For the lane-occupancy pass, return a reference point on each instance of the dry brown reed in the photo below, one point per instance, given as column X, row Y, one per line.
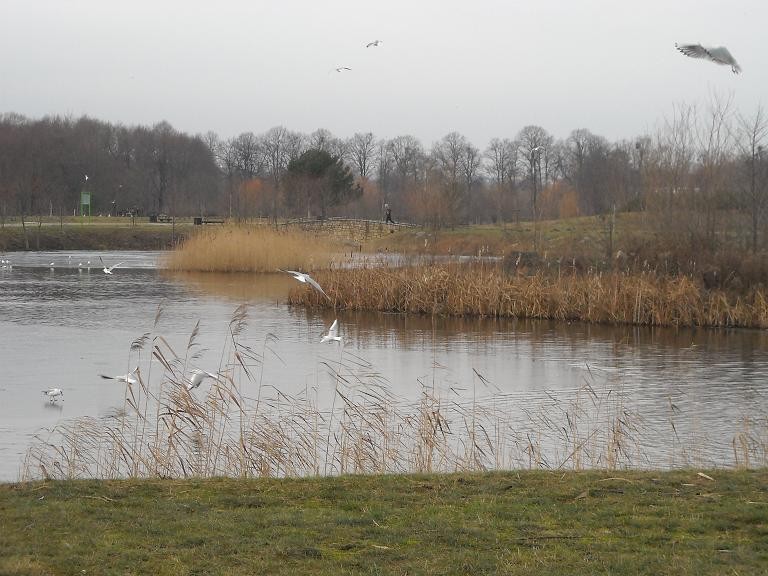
column 249, row 249
column 485, row 289
column 242, row 426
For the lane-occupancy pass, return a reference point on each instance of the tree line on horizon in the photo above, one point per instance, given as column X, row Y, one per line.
column 702, row 174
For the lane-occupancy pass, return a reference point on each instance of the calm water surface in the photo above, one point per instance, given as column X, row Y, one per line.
column 64, row 325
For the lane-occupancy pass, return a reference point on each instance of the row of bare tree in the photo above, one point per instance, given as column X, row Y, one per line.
column 46, row 164
column 710, row 164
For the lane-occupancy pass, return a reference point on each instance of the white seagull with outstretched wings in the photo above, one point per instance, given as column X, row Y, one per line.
column 130, row 378
column 302, row 277
column 109, row 270
column 197, row 378
column 716, row 54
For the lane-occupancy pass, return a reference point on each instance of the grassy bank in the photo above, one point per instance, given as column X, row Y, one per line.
column 493, row 523
column 489, row 289
column 98, row 235
column 585, row 236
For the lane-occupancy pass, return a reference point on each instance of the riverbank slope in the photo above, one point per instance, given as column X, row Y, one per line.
column 97, row 235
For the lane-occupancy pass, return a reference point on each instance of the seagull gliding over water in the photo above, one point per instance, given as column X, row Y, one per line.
column 302, row 277
column 129, row 378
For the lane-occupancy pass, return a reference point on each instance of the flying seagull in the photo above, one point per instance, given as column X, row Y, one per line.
column 342, row 68
column 197, row 378
column 333, row 333
column 129, row 378
column 301, row 277
column 108, row 270
column 53, row 393
column 374, row 43
column 717, row 54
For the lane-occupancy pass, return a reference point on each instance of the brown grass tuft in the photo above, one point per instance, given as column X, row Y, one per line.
column 249, row 249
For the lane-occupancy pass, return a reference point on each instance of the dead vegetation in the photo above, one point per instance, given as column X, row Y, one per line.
column 559, row 293
column 249, row 249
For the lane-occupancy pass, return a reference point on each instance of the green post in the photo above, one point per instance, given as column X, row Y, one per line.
column 85, row 202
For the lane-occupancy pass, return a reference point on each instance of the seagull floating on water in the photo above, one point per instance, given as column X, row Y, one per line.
column 130, row 378
column 716, row 54
column 374, row 43
column 108, row 270
column 333, row 333
column 302, row 277
column 53, row 393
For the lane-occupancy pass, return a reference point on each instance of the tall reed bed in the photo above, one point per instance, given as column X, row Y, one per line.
column 243, row 426
column 249, row 249
column 485, row 289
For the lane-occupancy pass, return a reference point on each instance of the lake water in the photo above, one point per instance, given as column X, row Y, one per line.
column 691, row 393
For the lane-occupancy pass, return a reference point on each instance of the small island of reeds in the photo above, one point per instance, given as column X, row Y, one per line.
column 249, row 249
column 493, row 289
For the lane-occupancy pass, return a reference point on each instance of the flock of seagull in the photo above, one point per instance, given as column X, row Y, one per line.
column 333, row 332
column 197, row 376
column 80, row 265
column 54, row 394
column 717, row 54
column 373, row 44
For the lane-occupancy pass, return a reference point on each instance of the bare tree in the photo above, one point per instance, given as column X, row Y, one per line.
column 324, row 140
column 362, row 151
column 715, row 147
column 501, row 166
column 470, row 165
column 533, row 141
column 448, row 157
column 406, row 152
column 249, row 155
column 752, row 135
column 276, row 151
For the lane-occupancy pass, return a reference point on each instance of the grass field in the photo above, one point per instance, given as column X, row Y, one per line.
column 583, row 236
column 96, row 234
column 678, row 523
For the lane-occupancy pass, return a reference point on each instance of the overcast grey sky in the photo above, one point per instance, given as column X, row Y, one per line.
column 484, row 68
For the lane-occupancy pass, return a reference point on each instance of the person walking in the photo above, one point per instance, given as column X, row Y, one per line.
column 388, row 214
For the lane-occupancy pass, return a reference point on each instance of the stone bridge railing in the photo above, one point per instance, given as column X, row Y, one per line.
column 350, row 229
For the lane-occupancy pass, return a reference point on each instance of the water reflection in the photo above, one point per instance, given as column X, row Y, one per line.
column 236, row 287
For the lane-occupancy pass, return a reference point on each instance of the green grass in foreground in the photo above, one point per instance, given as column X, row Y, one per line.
column 497, row 523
